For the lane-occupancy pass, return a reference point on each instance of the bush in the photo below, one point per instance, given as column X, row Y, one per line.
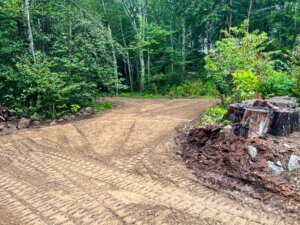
column 240, row 62
column 245, row 84
column 214, row 115
column 193, row 89
column 277, row 84
column 102, row 106
column 33, row 88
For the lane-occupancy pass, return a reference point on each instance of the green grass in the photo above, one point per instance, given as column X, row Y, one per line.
column 142, row 95
column 102, row 106
column 214, row 115
column 145, row 95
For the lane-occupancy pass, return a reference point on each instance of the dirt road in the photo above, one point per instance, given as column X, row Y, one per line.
column 117, row 168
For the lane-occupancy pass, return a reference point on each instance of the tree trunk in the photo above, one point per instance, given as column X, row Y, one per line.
column 30, row 36
column 183, row 45
column 172, row 47
column 249, row 13
column 142, row 65
column 142, row 38
column 127, row 57
column 277, row 116
column 113, row 50
column 148, row 63
column 230, row 16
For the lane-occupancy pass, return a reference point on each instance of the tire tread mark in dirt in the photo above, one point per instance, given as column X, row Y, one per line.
column 119, row 182
column 74, row 184
column 128, row 135
column 54, row 157
column 44, row 166
column 31, row 198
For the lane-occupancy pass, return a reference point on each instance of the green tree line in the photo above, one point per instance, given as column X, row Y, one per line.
column 57, row 54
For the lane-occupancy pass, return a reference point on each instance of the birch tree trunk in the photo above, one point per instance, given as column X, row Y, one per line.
column 127, row 57
column 249, row 13
column 137, row 20
column 142, row 64
column 183, row 45
column 113, row 50
column 30, row 36
column 172, row 47
column 141, row 39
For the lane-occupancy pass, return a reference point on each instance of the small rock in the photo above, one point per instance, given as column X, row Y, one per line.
column 67, row 118
column 36, row 123
column 23, row 123
column 252, row 151
column 34, row 118
column 227, row 129
column 89, row 110
column 294, row 163
column 60, row 120
column 53, row 123
column 287, row 146
column 276, row 167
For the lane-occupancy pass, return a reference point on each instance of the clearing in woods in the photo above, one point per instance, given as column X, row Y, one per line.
column 117, row 168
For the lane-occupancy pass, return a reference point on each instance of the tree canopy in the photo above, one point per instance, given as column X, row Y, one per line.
column 57, row 54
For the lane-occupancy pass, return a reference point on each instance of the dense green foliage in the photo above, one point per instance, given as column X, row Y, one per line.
column 214, row 115
column 240, row 66
column 57, row 56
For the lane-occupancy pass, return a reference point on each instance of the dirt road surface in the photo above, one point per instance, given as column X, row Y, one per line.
column 117, row 168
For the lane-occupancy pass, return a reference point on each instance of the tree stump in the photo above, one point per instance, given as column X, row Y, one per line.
column 278, row 116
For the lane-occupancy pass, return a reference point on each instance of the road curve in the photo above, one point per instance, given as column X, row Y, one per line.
column 116, row 168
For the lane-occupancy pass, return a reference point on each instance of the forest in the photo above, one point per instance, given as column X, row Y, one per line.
column 58, row 56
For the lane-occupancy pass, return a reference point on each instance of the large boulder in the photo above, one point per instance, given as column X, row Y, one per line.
column 23, row 123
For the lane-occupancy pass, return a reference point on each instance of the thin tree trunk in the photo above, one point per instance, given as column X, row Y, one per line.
column 70, row 39
column 148, row 63
column 230, row 15
column 142, row 64
column 249, row 13
column 127, row 57
column 172, row 47
column 183, row 46
column 140, row 31
column 113, row 50
column 30, row 36
column 141, row 51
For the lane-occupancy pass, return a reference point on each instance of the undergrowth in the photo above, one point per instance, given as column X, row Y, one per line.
column 214, row 115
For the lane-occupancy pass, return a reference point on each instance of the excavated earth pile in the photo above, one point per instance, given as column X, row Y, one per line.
column 258, row 165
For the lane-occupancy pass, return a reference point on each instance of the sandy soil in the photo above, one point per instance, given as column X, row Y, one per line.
column 117, row 168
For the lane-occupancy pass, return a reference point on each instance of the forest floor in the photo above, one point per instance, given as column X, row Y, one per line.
column 116, row 168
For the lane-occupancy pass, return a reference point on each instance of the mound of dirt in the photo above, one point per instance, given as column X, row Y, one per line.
column 257, row 167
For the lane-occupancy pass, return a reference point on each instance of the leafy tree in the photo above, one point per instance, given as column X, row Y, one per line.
column 239, row 51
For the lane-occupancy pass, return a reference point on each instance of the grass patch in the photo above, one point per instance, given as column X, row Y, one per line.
column 101, row 107
column 145, row 95
column 142, row 95
column 214, row 115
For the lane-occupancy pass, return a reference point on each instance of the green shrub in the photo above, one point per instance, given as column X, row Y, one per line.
column 245, row 83
column 214, row 115
column 102, row 106
column 242, row 55
column 277, row 84
column 193, row 89
column 34, row 88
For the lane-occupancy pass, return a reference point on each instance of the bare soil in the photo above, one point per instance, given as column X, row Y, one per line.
column 116, row 168
column 219, row 157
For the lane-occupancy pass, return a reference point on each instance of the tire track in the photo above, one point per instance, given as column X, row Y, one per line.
column 57, row 178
